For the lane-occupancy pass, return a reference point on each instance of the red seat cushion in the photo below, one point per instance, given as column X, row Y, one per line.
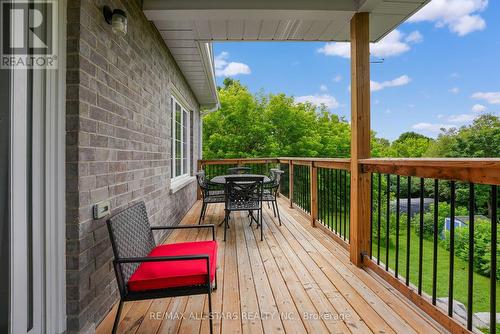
column 170, row 274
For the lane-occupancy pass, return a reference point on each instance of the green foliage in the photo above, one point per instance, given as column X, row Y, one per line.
column 480, row 139
column 410, row 144
column 443, row 213
column 482, row 246
column 259, row 125
column 248, row 125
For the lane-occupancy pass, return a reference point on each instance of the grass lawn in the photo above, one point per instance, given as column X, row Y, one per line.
column 481, row 292
column 330, row 219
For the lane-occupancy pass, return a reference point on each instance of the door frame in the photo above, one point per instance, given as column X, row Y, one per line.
column 37, row 190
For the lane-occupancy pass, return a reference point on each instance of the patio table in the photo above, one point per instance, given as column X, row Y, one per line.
column 221, row 179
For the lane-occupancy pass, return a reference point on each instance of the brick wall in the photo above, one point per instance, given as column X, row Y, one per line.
column 118, row 144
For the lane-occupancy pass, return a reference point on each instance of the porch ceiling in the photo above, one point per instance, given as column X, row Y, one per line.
column 187, row 26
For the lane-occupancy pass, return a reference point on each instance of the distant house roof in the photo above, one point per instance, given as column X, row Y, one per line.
column 465, row 219
column 414, row 205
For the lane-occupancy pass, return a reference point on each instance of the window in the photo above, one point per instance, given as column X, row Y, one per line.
column 180, row 140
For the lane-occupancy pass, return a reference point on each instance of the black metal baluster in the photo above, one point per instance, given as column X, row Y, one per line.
column 493, row 270
column 335, row 195
column 421, row 237
column 452, row 248
column 308, row 192
column 408, row 230
column 371, row 215
column 320, row 194
column 435, row 241
column 470, row 287
column 345, row 204
column 398, row 189
column 379, row 212
column 323, row 200
column 388, row 217
column 349, row 206
column 328, row 196
column 301, row 188
column 339, row 205
column 337, row 200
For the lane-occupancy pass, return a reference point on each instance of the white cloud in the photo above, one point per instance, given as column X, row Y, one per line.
column 400, row 81
column 460, row 16
column 394, row 44
column 414, row 37
column 323, row 88
column 223, row 68
column 431, row 127
column 454, row 90
column 341, row 49
column 461, row 118
column 478, row 108
column 490, row 97
column 454, row 75
column 337, row 78
column 318, row 99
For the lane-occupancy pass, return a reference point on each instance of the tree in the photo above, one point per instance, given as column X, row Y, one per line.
column 480, row 139
column 248, row 125
column 259, row 125
column 410, row 144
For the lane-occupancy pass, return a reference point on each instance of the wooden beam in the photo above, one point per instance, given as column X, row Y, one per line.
column 359, row 236
column 314, row 194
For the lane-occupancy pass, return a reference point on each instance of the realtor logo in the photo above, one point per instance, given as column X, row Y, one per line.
column 28, row 34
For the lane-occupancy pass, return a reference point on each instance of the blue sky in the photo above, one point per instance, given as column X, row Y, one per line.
column 441, row 69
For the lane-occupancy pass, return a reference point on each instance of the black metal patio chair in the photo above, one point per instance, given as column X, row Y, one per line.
column 146, row 271
column 211, row 193
column 239, row 170
column 271, row 190
column 244, row 194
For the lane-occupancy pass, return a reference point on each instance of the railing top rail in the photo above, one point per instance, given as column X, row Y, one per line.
column 475, row 170
column 442, row 162
column 315, row 159
column 237, row 160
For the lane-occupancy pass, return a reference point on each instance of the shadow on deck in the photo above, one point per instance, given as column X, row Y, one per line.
column 298, row 280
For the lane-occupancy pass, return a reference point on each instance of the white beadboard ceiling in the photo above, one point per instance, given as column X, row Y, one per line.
column 189, row 26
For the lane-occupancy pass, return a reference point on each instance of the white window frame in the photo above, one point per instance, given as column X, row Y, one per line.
column 179, row 181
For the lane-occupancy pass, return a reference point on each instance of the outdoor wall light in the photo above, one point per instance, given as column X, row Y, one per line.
column 117, row 18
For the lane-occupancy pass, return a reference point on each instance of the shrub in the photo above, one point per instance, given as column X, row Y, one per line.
column 482, row 246
column 443, row 213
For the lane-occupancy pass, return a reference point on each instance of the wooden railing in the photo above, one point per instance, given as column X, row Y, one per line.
column 408, row 246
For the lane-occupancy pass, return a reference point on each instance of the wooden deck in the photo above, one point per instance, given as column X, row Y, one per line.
column 298, row 280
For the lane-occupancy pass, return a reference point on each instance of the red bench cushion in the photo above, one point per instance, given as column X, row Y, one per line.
column 170, row 274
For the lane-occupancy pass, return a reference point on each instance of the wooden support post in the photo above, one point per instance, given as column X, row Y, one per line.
column 359, row 237
column 314, row 194
column 290, row 183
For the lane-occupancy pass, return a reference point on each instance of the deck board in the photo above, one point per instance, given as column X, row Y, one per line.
column 269, row 286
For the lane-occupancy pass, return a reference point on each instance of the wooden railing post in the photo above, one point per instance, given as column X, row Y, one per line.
column 290, row 183
column 359, row 237
column 314, row 194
